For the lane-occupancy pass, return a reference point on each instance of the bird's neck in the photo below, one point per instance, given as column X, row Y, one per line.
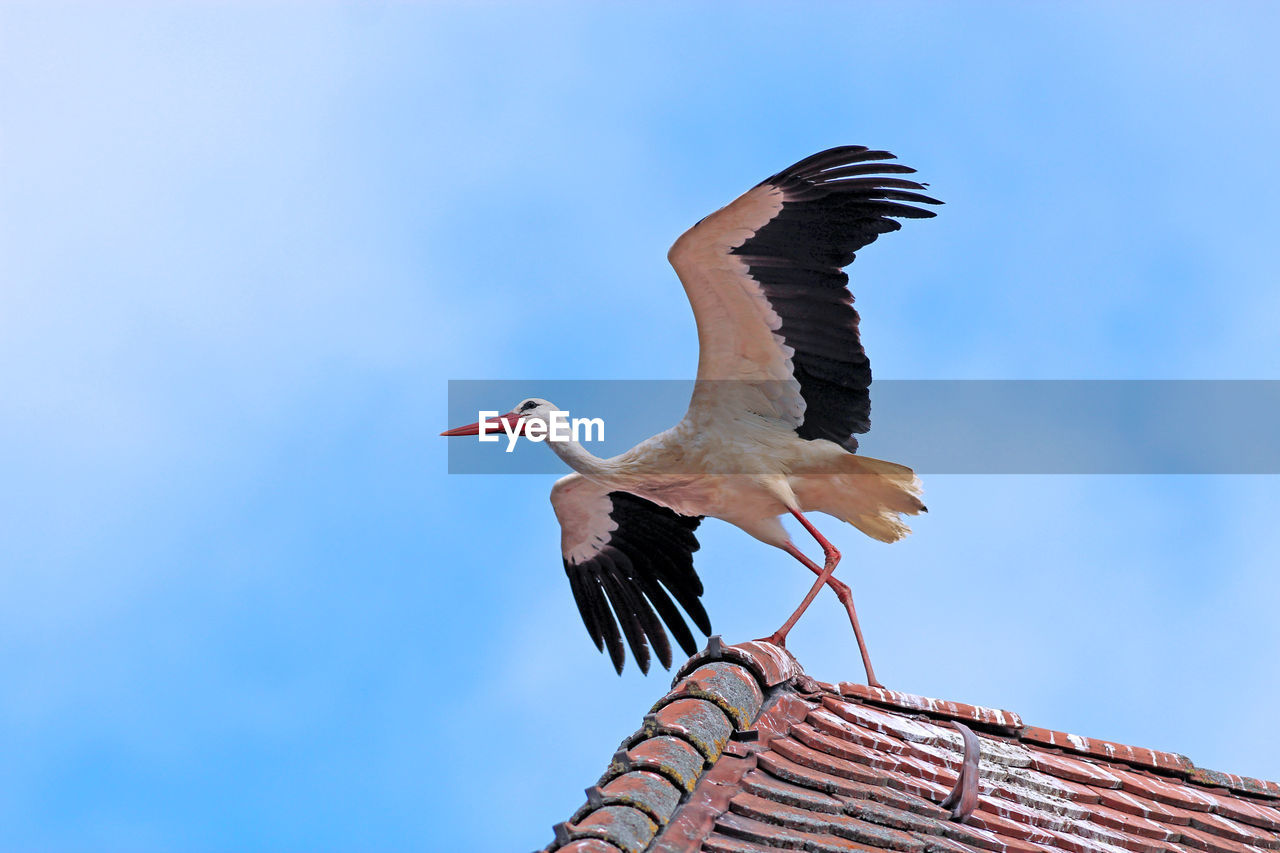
column 582, row 460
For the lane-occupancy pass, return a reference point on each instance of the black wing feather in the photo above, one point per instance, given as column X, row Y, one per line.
column 833, row 204
column 626, row 588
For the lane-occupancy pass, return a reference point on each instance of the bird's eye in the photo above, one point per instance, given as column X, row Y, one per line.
column 528, row 405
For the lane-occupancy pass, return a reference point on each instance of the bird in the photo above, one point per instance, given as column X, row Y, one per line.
column 781, row 393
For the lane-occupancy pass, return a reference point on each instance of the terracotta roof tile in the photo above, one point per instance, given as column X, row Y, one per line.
column 764, row 784
column 1164, row 790
column 747, row 754
column 1254, row 814
column 1132, row 824
column 1006, row 753
column 884, row 814
column 921, row 802
column 589, row 845
column 1239, row 784
column 847, row 749
column 666, row 755
column 925, row 788
column 733, row 845
column 773, row 836
column 1049, row 805
column 827, row 722
column 1076, row 770
column 842, row 826
column 1201, row 840
column 1054, row 786
column 770, row 664
column 806, row 756
column 1029, row 814
column 983, row 717
column 1167, row 762
column 987, row 818
column 814, row 779
column 1130, row 802
column 1241, row 832
column 631, row 830
column 897, row 725
column 699, row 721
column 1076, row 843
column 733, row 689
column 975, row 837
column 1117, row 837
column 640, row 789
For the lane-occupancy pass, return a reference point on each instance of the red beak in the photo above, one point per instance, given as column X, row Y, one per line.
column 493, row 427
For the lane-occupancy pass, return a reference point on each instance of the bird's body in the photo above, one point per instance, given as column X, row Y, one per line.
column 750, row 473
column 782, row 388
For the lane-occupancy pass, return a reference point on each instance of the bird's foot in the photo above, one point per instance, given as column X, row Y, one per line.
column 775, row 639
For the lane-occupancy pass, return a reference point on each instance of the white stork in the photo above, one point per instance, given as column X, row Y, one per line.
column 781, row 391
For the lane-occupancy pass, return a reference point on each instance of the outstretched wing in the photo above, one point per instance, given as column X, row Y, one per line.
column 626, row 559
column 775, row 319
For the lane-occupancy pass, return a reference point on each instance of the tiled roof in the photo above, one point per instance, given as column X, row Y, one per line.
column 748, row 754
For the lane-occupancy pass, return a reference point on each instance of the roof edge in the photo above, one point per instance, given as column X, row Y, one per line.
column 721, row 697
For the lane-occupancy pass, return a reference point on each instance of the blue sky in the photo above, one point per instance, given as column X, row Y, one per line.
column 244, row 248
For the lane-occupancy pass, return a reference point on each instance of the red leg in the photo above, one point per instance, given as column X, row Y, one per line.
column 841, row 590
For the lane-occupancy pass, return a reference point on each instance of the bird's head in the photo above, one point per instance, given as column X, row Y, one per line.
column 517, row 420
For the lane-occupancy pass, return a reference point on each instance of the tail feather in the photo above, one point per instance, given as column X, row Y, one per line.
column 870, row 494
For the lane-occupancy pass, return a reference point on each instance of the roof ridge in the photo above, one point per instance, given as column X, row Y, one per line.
column 720, row 695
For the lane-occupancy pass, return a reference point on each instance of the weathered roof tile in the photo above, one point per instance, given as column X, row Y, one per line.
column 1132, row 823
column 1075, row 770
column 920, row 801
column 731, row 687
column 670, row 757
column 733, row 845
column 590, row 845
column 643, row 790
column 772, row 665
column 824, row 720
column 897, row 725
column 1054, row 786
column 988, row 819
column 774, row 836
column 630, row 829
column 976, row 714
column 1116, row 837
column 1164, row 791
column 699, row 721
column 1153, row 759
column 1239, row 784
column 1081, row 843
column 764, row 784
column 1201, row 840
column 1252, row 813
column 1050, row 805
column 885, row 814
